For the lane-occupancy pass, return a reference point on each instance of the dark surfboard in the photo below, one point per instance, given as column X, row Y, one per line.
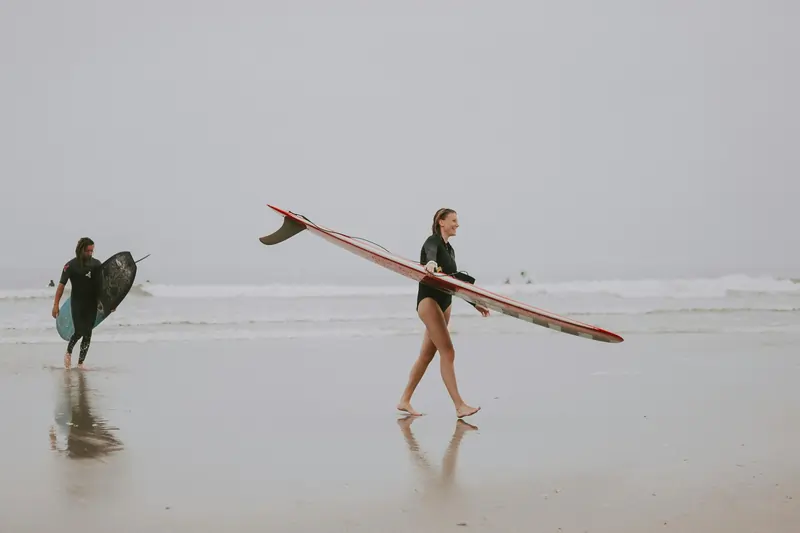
column 118, row 273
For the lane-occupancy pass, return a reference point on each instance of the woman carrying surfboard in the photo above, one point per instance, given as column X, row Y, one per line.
column 433, row 308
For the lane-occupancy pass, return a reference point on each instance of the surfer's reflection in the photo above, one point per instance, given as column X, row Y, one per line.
column 443, row 484
column 78, row 433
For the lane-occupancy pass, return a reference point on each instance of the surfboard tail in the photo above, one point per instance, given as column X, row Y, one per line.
column 289, row 229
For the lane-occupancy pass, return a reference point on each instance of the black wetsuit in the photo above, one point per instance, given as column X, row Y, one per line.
column 86, row 283
column 435, row 249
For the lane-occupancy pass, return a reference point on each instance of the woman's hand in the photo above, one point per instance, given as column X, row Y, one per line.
column 431, row 267
column 482, row 310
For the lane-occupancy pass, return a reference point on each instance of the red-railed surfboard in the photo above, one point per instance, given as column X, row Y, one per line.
column 294, row 224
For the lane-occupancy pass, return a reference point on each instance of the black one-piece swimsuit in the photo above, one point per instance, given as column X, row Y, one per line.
column 435, row 249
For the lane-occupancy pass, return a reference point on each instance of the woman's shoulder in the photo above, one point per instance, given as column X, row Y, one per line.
column 433, row 242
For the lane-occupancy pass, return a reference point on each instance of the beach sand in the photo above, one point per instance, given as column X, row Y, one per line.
column 689, row 433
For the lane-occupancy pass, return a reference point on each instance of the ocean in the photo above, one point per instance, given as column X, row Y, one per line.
column 152, row 312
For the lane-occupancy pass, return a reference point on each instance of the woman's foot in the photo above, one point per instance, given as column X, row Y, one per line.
column 466, row 410
column 67, row 360
column 406, row 408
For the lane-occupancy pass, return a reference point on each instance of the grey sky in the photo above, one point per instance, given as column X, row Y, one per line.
column 577, row 141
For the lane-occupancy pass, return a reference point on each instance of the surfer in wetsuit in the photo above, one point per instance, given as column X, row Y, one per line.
column 83, row 272
column 433, row 308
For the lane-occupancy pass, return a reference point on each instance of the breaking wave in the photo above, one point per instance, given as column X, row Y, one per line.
column 699, row 288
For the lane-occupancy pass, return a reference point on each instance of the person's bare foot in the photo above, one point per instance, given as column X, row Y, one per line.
column 81, row 366
column 67, row 360
column 406, row 407
column 466, row 410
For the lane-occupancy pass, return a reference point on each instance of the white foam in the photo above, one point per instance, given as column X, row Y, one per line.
column 721, row 287
column 214, row 334
column 274, row 291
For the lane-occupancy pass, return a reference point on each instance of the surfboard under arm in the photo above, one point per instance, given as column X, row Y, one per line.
column 294, row 224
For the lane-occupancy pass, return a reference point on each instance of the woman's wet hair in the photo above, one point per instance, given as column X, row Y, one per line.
column 83, row 243
column 441, row 214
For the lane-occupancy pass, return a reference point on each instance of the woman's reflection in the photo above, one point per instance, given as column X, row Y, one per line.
column 78, row 432
column 443, row 484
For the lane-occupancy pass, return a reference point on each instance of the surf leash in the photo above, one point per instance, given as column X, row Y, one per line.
column 461, row 275
column 343, row 234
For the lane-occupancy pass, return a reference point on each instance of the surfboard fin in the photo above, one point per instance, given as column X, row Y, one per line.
column 289, row 229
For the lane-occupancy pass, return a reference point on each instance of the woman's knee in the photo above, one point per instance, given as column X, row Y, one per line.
column 445, row 345
column 448, row 353
column 427, row 356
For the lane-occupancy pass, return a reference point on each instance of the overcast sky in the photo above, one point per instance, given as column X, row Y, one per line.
column 581, row 139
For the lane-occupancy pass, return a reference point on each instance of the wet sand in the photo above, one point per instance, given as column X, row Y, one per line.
column 660, row 433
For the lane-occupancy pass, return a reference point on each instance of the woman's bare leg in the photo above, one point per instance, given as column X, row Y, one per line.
column 435, row 322
column 426, row 354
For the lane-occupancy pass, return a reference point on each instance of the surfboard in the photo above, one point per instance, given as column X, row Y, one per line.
column 118, row 273
column 465, row 289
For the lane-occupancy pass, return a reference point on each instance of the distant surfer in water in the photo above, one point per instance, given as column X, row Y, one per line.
column 83, row 272
column 433, row 308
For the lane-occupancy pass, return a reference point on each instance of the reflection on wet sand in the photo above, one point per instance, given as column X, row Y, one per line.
column 437, row 488
column 78, row 433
